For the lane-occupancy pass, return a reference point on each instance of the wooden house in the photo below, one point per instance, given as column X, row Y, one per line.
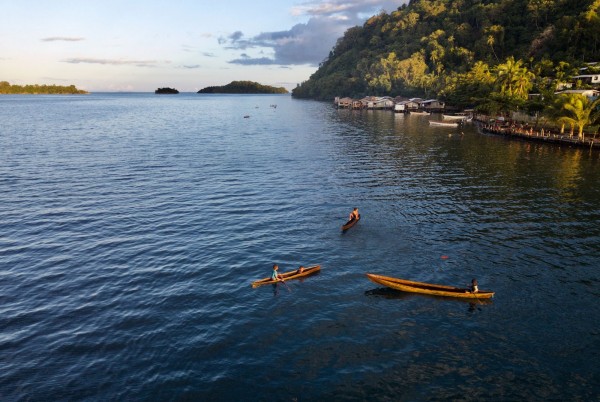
column 344, row 103
column 400, row 107
column 432, row 105
column 411, row 104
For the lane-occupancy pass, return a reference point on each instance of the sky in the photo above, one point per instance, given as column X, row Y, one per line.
column 141, row 45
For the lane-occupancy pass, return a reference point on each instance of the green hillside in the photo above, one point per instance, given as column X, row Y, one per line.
column 457, row 49
column 243, row 87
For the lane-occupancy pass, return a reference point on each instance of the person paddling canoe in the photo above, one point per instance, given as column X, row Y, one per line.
column 276, row 276
column 473, row 287
column 353, row 215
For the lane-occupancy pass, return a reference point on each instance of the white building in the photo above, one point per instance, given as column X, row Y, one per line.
column 589, row 79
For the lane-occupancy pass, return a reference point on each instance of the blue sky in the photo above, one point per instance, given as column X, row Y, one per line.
column 135, row 45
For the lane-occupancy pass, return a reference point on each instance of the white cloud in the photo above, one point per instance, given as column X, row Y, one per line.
column 62, row 39
column 115, row 62
column 307, row 43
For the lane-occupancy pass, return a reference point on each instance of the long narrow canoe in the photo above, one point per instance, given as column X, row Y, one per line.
column 428, row 288
column 350, row 223
column 453, row 117
column 288, row 275
column 442, row 124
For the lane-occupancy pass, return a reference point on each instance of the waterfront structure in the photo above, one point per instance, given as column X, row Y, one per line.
column 590, row 93
column 433, row 105
column 588, row 79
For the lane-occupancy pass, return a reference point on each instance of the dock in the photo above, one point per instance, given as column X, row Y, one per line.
column 529, row 134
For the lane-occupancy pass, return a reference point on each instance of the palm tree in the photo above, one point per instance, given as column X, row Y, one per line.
column 554, row 109
column 579, row 111
column 495, row 33
column 514, row 79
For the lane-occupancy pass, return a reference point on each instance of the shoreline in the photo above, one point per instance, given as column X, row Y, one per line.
column 524, row 131
column 541, row 135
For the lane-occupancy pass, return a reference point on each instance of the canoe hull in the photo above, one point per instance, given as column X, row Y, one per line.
column 288, row 275
column 442, row 124
column 451, row 117
column 428, row 288
column 349, row 224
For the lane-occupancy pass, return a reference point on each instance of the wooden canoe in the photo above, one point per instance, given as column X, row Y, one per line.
column 442, row 124
column 288, row 275
column 350, row 223
column 454, row 117
column 428, row 288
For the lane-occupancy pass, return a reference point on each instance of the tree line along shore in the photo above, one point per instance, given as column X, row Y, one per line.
column 7, row 89
column 234, row 87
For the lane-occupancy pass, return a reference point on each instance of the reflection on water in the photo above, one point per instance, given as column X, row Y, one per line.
column 132, row 225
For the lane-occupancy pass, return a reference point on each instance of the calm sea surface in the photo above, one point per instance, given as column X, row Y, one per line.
column 131, row 227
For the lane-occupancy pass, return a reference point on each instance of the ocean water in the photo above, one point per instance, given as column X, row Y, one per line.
column 132, row 225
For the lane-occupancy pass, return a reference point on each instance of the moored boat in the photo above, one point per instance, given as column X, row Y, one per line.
column 428, row 288
column 442, row 124
column 288, row 275
column 419, row 113
column 350, row 223
column 453, row 117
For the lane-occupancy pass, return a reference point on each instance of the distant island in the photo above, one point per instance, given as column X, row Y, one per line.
column 165, row 90
column 243, row 87
column 7, row 89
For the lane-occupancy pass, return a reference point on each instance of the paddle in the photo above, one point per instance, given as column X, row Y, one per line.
column 286, row 285
column 476, row 298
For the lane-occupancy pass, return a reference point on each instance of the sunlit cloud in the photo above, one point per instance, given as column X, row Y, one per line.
column 62, row 38
column 115, row 62
column 320, row 9
column 348, row 7
column 55, row 79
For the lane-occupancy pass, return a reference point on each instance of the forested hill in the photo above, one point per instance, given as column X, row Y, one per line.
column 243, row 87
column 423, row 47
column 7, row 89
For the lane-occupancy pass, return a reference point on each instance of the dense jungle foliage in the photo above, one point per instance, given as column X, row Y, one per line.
column 463, row 51
column 6, row 88
column 243, row 87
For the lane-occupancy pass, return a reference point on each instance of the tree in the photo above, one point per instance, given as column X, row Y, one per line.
column 513, row 79
column 413, row 71
column 539, row 9
column 435, row 50
column 469, row 88
column 381, row 74
column 495, row 34
column 579, row 111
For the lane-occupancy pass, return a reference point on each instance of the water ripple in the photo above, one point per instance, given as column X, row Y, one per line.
column 134, row 225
